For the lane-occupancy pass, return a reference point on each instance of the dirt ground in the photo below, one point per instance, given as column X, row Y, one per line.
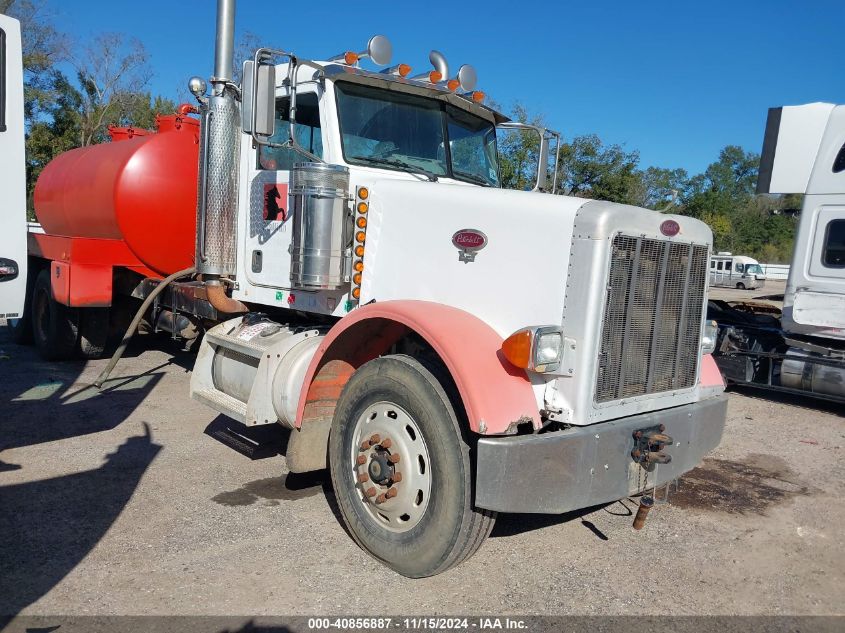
column 129, row 502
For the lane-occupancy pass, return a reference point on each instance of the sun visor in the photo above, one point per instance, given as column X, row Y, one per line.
column 790, row 147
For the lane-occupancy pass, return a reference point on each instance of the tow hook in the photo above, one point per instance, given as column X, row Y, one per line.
column 648, row 447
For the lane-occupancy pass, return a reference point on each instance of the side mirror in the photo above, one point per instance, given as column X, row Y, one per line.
column 258, row 91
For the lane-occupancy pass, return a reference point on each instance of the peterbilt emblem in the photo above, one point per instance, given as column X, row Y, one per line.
column 670, row 228
column 468, row 242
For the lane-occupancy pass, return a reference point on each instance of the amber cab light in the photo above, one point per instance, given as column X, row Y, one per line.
column 517, row 348
column 537, row 348
column 363, row 193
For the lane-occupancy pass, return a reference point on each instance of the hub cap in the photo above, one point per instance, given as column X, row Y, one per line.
column 390, row 466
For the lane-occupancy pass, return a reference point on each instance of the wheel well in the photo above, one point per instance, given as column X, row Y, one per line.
column 360, row 344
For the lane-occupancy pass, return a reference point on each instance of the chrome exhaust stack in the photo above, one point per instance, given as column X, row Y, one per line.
column 217, row 194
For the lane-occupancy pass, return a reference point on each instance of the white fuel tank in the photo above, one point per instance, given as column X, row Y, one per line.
column 252, row 369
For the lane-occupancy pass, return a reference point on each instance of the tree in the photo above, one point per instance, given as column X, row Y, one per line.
column 519, row 152
column 112, row 72
column 43, row 47
column 659, row 187
column 588, row 168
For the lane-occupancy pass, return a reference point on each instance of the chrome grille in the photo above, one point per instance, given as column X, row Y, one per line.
column 652, row 318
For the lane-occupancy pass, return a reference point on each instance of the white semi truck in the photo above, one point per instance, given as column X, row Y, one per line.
column 449, row 349
column 802, row 348
column 13, row 258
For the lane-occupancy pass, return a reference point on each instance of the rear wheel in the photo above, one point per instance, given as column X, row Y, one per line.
column 55, row 327
column 401, row 469
column 740, row 286
column 93, row 332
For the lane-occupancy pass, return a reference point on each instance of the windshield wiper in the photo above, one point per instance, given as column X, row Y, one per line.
column 479, row 180
column 411, row 169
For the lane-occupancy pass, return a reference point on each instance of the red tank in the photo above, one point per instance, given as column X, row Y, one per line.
column 140, row 188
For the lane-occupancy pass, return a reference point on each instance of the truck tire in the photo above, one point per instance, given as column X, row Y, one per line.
column 55, row 327
column 740, row 286
column 428, row 524
column 93, row 332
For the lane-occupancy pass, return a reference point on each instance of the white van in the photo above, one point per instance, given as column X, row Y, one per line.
column 736, row 271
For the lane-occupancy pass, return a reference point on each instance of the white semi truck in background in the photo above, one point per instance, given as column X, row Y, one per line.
column 449, row 349
column 13, row 257
column 800, row 349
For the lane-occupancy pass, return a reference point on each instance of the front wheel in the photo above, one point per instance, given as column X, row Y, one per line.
column 401, row 469
column 740, row 286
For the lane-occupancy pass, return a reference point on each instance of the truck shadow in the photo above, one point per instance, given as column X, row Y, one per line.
column 44, row 402
column 47, row 527
column 515, row 524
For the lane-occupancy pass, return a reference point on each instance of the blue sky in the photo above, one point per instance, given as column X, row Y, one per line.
column 675, row 80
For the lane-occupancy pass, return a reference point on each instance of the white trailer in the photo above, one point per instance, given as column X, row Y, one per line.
column 736, row 271
column 801, row 349
column 13, row 257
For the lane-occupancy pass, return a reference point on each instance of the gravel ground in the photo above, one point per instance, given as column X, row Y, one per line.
column 127, row 502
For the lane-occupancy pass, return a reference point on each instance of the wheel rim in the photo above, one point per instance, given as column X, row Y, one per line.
column 41, row 314
column 390, row 466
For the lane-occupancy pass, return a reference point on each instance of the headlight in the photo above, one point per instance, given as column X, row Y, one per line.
column 708, row 340
column 536, row 348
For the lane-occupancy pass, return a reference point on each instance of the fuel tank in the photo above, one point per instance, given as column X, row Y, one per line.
column 141, row 188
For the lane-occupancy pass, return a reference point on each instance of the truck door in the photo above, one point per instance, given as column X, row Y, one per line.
column 270, row 227
column 12, row 174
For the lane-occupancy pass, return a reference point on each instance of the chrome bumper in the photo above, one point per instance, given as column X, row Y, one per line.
column 585, row 466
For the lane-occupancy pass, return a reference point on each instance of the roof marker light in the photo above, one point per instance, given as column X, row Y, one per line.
column 399, row 70
column 379, row 49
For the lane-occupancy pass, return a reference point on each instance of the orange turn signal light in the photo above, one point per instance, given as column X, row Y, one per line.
column 358, row 266
column 361, row 222
column 356, row 279
column 517, row 348
column 478, row 96
column 359, row 251
column 360, row 236
column 453, row 84
column 435, row 77
column 350, row 58
column 362, row 207
column 404, row 70
column 356, row 292
column 363, row 193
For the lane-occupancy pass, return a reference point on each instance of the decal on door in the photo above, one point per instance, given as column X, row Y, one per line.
column 275, row 201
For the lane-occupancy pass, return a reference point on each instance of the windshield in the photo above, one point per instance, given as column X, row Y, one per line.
column 404, row 132
column 753, row 269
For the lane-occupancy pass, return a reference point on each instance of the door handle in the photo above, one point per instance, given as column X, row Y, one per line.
column 8, row 269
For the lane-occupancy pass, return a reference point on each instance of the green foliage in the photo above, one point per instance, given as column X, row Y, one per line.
column 107, row 88
column 723, row 196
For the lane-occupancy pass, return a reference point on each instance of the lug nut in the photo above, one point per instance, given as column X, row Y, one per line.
column 391, row 493
column 371, row 491
column 375, row 439
column 381, row 498
column 393, row 459
column 363, row 477
column 397, row 477
column 362, row 459
column 387, row 443
column 365, row 445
